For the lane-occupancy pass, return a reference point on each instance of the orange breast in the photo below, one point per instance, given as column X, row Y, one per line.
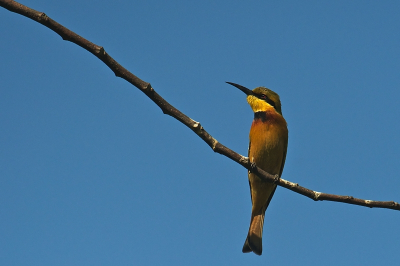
column 268, row 144
column 268, row 139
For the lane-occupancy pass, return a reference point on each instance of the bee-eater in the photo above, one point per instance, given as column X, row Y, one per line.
column 267, row 149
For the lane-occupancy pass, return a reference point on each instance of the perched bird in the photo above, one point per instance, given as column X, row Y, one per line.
column 267, row 149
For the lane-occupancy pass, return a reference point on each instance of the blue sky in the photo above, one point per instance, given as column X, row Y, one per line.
column 92, row 172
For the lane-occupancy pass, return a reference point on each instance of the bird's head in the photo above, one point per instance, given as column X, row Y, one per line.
column 261, row 99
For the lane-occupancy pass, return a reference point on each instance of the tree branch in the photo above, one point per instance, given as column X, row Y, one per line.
column 168, row 109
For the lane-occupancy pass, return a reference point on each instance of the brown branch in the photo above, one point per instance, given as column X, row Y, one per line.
column 168, row 109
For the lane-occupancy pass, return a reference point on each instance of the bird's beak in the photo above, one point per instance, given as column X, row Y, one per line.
column 240, row 87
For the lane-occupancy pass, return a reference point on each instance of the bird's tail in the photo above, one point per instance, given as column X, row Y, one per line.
column 254, row 237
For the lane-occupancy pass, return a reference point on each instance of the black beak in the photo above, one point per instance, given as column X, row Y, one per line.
column 240, row 87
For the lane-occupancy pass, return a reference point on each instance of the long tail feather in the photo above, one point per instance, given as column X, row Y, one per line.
column 254, row 237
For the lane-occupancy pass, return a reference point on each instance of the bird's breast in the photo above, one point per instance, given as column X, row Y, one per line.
column 268, row 140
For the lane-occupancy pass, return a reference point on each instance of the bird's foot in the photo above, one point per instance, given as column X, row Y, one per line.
column 253, row 167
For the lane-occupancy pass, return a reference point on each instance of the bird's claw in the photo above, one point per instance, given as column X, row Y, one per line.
column 253, row 166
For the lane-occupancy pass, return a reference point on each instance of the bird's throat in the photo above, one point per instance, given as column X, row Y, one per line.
column 269, row 117
column 260, row 116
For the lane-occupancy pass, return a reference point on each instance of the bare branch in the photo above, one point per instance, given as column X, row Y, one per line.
column 168, row 109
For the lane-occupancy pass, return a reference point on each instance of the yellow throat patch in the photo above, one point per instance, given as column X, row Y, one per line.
column 258, row 105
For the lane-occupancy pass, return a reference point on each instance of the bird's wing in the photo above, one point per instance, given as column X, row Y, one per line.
column 248, row 171
column 284, row 156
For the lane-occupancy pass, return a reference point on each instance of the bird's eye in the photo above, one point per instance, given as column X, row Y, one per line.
column 263, row 96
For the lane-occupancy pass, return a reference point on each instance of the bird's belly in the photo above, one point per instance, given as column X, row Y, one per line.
column 267, row 149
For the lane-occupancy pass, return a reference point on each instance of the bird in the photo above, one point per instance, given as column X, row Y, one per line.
column 267, row 150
